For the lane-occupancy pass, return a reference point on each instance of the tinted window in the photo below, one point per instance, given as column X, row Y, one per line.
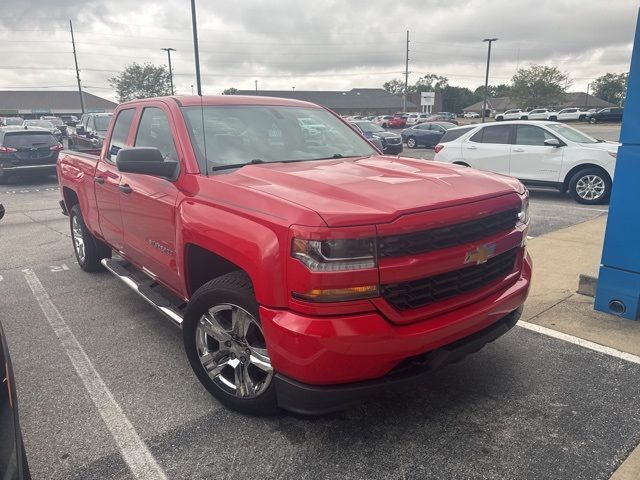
column 423, row 126
column 530, row 135
column 154, row 131
column 91, row 125
column 120, row 132
column 19, row 139
column 497, row 134
column 455, row 133
column 102, row 123
column 605, row 110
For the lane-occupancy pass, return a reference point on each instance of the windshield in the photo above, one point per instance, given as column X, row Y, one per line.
column 369, row 127
column 27, row 139
column 234, row 136
column 102, row 123
column 39, row 123
column 571, row 133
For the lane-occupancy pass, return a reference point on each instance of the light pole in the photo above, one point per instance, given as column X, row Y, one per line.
column 169, row 50
column 486, row 78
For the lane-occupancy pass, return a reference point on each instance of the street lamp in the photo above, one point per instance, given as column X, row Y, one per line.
column 486, row 78
column 169, row 50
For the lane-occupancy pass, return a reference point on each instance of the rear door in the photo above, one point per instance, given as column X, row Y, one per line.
column 148, row 204
column 531, row 159
column 107, row 182
column 489, row 148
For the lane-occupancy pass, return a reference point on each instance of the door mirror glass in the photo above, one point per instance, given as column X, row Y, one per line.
column 147, row 161
column 552, row 142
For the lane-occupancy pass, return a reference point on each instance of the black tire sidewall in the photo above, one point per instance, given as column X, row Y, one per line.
column 590, row 171
column 234, row 288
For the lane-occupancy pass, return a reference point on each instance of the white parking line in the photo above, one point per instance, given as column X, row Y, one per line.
column 629, row 357
column 134, row 451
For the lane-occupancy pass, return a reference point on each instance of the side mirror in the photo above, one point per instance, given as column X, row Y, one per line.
column 552, row 142
column 146, row 160
column 80, row 129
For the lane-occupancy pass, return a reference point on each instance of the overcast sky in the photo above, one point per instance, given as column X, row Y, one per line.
column 309, row 45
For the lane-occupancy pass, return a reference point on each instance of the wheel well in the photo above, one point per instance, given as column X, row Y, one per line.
column 583, row 166
column 203, row 265
column 70, row 198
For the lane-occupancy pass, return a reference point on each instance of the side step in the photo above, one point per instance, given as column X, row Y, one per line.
column 156, row 295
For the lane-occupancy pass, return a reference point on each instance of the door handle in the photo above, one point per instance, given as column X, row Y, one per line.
column 471, row 147
column 518, row 149
column 99, row 180
column 125, row 188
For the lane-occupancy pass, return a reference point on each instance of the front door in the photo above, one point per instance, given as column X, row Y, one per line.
column 531, row 159
column 489, row 149
column 148, row 204
column 107, row 182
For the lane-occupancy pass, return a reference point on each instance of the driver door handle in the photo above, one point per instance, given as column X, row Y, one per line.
column 98, row 179
column 472, row 147
column 125, row 188
column 518, row 149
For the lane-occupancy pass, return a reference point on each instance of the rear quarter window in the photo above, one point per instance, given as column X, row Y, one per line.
column 454, row 134
column 20, row 139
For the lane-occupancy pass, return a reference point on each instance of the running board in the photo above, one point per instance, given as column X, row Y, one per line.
column 170, row 306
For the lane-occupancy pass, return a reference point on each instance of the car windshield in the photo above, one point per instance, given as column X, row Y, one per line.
column 571, row 133
column 368, row 127
column 39, row 123
column 102, row 122
column 28, row 139
column 233, row 136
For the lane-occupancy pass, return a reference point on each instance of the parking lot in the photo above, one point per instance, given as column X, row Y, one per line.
column 90, row 357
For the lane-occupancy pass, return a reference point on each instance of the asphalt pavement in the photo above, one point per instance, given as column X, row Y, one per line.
column 527, row 406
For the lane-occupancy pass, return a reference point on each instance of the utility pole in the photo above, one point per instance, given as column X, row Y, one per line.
column 169, row 50
column 586, row 99
column 486, row 78
column 195, row 46
column 75, row 59
column 406, row 77
column 256, row 87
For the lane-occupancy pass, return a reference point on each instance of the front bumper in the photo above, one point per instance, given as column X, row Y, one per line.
column 331, row 351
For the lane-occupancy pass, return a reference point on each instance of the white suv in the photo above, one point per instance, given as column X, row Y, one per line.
column 513, row 114
column 538, row 153
column 567, row 114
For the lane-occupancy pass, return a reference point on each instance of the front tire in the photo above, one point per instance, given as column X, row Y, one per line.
column 88, row 249
column 411, row 142
column 499, row 119
column 553, row 119
column 593, row 121
column 590, row 186
column 226, row 347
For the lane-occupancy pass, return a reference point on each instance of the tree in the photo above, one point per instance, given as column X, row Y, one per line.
column 431, row 83
column 454, row 99
column 538, row 86
column 395, row 86
column 611, row 87
column 495, row 91
column 141, row 81
column 230, row 91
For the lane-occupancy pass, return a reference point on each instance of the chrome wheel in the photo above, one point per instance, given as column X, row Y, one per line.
column 233, row 352
column 78, row 239
column 591, row 187
column 411, row 142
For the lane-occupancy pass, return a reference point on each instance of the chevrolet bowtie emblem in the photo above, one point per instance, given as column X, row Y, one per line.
column 481, row 254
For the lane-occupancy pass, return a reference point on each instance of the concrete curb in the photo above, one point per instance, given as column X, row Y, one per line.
column 630, row 468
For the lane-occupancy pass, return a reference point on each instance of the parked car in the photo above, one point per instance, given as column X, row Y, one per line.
column 471, row 115
column 43, row 124
column 13, row 457
column 391, row 142
column 12, row 121
column 397, row 121
column 569, row 114
column 609, row 114
column 33, row 151
column 539, row 114
column 412, row 119
column 69, row 120
column 447, row 116
column 383, row 120
column 512, row 114
column 58, row 123
column 304, row 276
column 441, row 118
column 425, row 134
column 89, row 132
column 538, row 153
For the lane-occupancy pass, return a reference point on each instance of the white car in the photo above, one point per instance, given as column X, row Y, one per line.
column 382, row 120
column 568, row 114
column 544, row 153
column 471, row 115
column 412, row 119
column 513, row 114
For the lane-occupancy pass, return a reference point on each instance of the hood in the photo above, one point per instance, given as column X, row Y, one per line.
column 374, row 189
column 605, row 146
column 385, row 134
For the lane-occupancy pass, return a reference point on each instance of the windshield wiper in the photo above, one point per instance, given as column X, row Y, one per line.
column 255, row 161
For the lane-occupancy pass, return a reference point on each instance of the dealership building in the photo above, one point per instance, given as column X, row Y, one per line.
column 34, row 103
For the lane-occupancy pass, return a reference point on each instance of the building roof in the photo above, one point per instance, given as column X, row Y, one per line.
column 45, row 101
column 571, row 99
column 354, row 99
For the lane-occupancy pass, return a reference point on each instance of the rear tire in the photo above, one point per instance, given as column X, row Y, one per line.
column 590, row 186
column 411, row 142
column 593, row 121
column 222, row 331
column 524, row 117
column 499, row 119
column 553, row 119
column 88, row 249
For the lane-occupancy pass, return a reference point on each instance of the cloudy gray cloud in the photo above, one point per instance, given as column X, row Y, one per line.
column 326, row 44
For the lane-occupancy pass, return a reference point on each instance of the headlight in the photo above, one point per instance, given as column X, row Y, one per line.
column 335, row 255
column 523, row 214
column 376, row 136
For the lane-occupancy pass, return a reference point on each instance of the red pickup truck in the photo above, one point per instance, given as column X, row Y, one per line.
column 305, row 272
